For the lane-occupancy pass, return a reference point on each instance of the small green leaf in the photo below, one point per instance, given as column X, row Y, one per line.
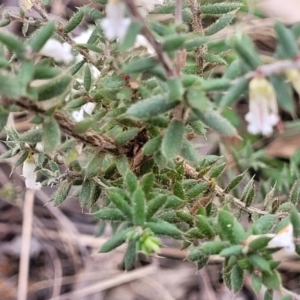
column 214, row 120
column 114, row 242
column 164, row 228
column 126, row 136
column 221, row 23
column 152, row 145
column 54, row 88
column 74, row 21
column 75, row 103
column 131, row 181
column 186, row 217
column 139, row 65
column 139, row 207
column 85, row 193
column 217, row 171
column 122, row 164
column 21, row 159
column 111, row 214
column 194, row 42
column 151, row 107
column 175, row 89
column 130, row 255
column 268, row 295
column 60, row 195
column 187, row 151
column 10, row 86
column 249, row 186
column 214, row 248
column 121, row 204
column 87, row 78
column 173, row 42
column 220, row 8
column 214, row 59
column 93, row 167
column 215, row 84
column 234, row 183
column 272, row 280
column 32, row 136
column 265, row 224
column 77, row 67
column 259, row 262
column 295, row 192
column 130, row 37
column 233, row 250
column 41, row 36
column 230, row 228
column 236, row 278
column 204, row 227
column 245, row 49
column 174, row 202
column 172, row 139
column 83, row 126
column 196, row 190
column 284, row 93
column 3, row 116
column 259, row 243
column 178, row 190
column 198, row 257
column 287, row 297
column 286, row 40
column 13, row 44
column 51, row 134
column 256, row 283
column 234, row 93
column 147, row 183
column 295, row 220
column 154, row 205
column 43, row 72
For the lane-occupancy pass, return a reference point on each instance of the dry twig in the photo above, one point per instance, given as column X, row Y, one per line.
column 25, row 250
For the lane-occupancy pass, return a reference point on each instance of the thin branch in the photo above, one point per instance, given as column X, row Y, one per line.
column 26, row 242
column 109, row 283
column 103, row 143
column 178, row 12
column 162, row 57
column 192, row 173
column 198, row 28
column 60, row 31
column 278, row 67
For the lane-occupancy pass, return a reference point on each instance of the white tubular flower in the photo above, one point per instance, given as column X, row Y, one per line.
column 294, row 77
column 60, row 52
column 30, row 176
column 88, row 108
column 115, row 25
column 146, row 6
column 284, row 239
column 263, row 109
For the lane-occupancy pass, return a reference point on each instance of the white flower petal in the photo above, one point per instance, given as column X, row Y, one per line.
column 78, row 115
column 30, row 175
column 141, row 41
column 60, row 52
column 83, row 37
column 115, row 25
column 263, row 110
column 146, row 6
column 284, row 239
